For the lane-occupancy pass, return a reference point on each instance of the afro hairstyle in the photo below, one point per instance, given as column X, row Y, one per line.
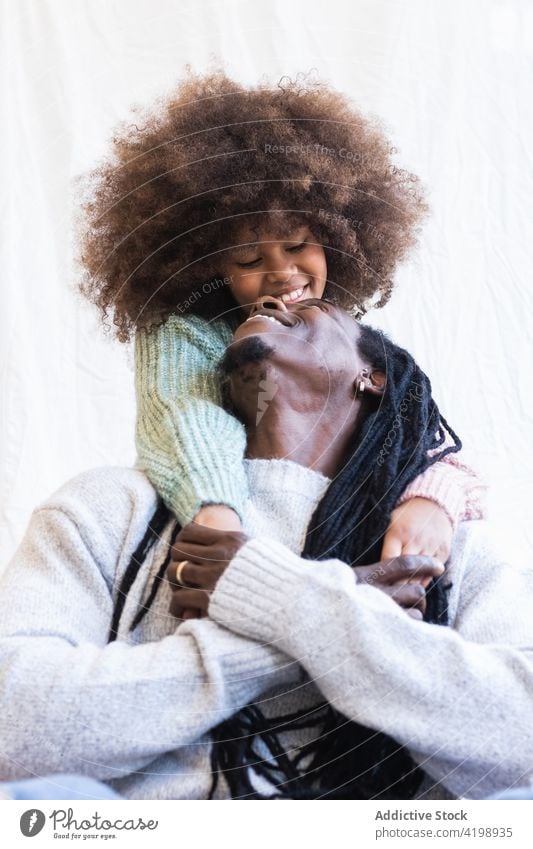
column 158, row 212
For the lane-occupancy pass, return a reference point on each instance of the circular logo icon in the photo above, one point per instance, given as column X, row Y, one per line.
column 32, row 822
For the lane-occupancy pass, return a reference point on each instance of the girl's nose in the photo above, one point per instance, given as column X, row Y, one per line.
column 280, row 272
column 268, row 302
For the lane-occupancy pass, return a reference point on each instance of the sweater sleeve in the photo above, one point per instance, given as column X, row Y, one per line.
column 71, row 702
column 454, row 485
column 190, row 448
column 458, row 697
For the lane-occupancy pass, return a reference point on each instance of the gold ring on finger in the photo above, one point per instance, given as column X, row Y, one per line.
column 179, row 570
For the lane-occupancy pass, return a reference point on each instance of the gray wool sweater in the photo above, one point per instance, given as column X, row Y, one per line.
column 137, row 713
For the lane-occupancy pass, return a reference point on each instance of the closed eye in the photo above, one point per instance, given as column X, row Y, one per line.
column 248, row 264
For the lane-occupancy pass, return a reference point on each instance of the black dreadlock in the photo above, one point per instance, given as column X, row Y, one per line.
column 153, row 533
column 345, row 760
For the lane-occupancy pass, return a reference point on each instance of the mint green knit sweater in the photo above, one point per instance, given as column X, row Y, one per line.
column 192, row 450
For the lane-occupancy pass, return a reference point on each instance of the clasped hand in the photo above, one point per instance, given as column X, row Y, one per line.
column 209, row 551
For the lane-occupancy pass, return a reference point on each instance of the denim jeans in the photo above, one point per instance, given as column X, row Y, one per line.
column 58, row 786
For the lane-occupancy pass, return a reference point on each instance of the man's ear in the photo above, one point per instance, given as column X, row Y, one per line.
column 378, row 379
column 370, row 383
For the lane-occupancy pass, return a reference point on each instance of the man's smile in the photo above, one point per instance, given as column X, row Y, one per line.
column 269, row 317
column 286, row 319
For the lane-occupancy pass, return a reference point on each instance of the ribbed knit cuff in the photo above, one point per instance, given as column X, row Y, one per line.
column 439, row 484
column 260, row 589
column 214, row 487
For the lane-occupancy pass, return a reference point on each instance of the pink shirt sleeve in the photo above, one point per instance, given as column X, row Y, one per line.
column 452, row 484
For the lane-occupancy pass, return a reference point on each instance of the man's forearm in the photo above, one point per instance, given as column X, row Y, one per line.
column 109, row 711
column 436, row 692
column 72, row 702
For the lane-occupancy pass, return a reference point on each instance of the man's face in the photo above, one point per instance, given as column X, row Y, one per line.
column 293, row 268
column 308, row 349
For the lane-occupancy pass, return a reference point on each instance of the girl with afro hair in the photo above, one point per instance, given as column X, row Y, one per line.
column 218, row 197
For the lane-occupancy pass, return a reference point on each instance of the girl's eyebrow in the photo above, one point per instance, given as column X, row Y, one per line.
column 240, row 249
column 250, row 244
column 237, row 250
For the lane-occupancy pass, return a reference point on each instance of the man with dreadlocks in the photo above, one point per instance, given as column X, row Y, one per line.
column 307, row 678
column 385, row 684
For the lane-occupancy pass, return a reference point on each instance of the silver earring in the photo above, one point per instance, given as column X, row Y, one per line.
column 359, row 388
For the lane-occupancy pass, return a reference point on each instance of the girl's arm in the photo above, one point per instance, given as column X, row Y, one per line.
column 190, row 448
column 453, row 485
column 430, row 509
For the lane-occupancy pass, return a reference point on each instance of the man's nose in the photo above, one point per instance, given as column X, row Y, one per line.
column 268, row 302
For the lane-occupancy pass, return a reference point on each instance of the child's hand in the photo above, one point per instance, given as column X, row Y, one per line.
column 218, row 516
column 419, row 526
column 221, row 518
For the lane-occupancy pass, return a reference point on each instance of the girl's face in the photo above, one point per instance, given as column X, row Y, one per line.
column 292, row 269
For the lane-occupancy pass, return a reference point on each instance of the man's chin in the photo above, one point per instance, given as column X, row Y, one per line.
column 243, row 352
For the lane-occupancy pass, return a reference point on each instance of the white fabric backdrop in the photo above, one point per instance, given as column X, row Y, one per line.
column 453, row 82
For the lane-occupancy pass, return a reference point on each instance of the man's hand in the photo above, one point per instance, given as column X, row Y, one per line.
column 208, row 552
column 220, row 517
column 404, row 579
column 418, row 527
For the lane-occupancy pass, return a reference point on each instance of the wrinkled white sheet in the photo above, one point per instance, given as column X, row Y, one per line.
column 452, row 81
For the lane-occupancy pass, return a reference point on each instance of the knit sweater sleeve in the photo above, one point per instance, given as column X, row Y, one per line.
column 190, row 448
column 458, row 697
column 71, row 702
column 453, row 484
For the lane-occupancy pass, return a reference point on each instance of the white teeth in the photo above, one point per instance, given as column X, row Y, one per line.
column 270, row 318
column 291, row 296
